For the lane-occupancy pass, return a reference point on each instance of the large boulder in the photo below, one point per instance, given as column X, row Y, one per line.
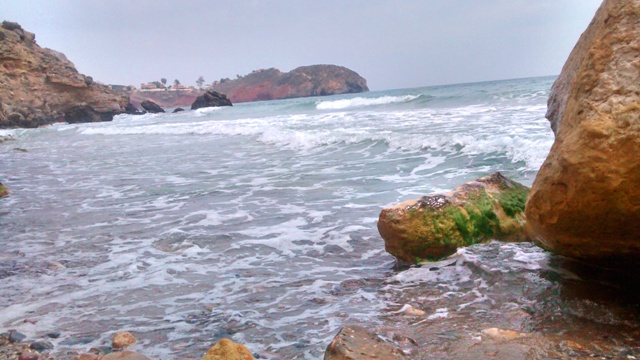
column 435, row 226
column 211, row 99
column 585, row 200
column 151, row 107
column 38, row 85
column 357, row 343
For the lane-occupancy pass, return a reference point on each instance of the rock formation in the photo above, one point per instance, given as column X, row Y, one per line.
column 434, row 226
column 357, row 343
column 270, row 84
column 151, row 107
column 211, row 99
column 38, row 86
column 585, row 201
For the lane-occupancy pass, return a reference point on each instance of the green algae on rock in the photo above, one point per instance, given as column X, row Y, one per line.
column 435, row 226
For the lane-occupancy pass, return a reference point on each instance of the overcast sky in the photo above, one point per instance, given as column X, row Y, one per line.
column 393, row 44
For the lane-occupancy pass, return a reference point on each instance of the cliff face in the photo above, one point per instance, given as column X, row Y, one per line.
column 37, row 85
column 168, row 98
column 270, row 84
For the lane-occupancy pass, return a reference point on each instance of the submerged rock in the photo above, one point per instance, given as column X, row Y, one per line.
column 226, row 349
column 3, row 191
column 585, row 200
column 211, row 99
column 357, row 343
column 151, row 107
column 434, row 226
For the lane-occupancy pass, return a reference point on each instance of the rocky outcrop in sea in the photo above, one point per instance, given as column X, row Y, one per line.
column 151, row 107
column 304, row 81
column 210, row 99
column 39, row 86
column 585, row 201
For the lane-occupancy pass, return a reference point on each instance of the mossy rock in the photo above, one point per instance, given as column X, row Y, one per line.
column 3, row 191
column 435, row 226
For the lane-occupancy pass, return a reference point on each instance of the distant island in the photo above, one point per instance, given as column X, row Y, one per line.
column 261, row 84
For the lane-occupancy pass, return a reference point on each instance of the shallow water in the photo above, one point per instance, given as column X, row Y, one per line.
column 258, row 222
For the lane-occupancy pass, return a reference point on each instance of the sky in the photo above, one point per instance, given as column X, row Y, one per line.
column 393, row 44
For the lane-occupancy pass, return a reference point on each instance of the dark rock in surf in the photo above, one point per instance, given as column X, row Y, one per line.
column 41, row 346
column 86, row 113
column 132, row 110
column 151, row 107
column 178, row 110
column 211, row 99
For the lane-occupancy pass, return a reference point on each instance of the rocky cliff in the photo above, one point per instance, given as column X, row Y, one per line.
column 585, row 200
column 270, row 84
column 38, row 85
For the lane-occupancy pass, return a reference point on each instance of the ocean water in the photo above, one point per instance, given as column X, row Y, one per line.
column 255, row 222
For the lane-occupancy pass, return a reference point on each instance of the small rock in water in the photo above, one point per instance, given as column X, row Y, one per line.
column 499, row 334
column 411, row 311
column 15, row 336
column 78, row 341
column 53, row 334
column 227, row 349
column 41, row 346
column 124, row 355
column 122, row 340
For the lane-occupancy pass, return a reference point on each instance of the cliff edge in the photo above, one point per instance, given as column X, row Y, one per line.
column 271, row 84
column 38, row 85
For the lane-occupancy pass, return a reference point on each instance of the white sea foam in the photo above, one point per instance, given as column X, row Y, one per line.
column 362, row 101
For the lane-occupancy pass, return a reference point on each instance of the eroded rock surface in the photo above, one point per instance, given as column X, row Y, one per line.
column 38, row 86
column 585, row 201
column 435, row 226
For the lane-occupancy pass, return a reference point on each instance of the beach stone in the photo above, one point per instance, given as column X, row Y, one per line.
column 15, row 336
column 122, row 340
column 124, row 355
column 28, row 356
column 151, row 107
column 435, row 226
column 226, row 349
column 585, row 200
column 209, row 99
column 86, row 356
column 357, row 343
column 41, row 345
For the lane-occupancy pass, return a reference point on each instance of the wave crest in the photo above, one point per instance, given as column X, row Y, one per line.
column 363, row 101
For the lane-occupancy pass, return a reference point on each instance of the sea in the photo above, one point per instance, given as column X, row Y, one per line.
column 257, row 222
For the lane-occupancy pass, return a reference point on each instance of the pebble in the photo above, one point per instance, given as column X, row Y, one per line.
column 41, row 345
column 53, row 334
column 15, row 336
column 28, row 356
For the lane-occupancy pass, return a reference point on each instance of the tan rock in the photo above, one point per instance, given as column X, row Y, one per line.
column 226, row 349
column 585, row 201
column 357, row 343
column 124, row 355
column 122, row 340
column 434, row 226
column 500, row 334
